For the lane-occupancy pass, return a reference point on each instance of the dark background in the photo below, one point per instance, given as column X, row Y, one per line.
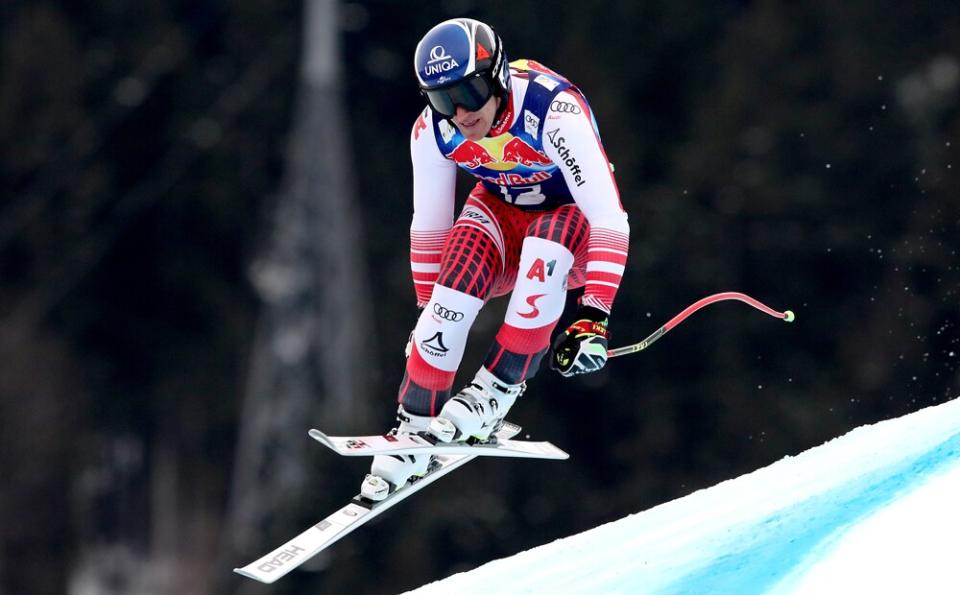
column 804, row 153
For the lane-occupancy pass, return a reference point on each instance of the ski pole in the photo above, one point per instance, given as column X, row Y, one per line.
column 786, row 316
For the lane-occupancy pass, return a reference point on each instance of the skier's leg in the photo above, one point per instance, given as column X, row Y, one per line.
column 471, row 262
column 469, row 266
column 536, row 304
column 538, row 298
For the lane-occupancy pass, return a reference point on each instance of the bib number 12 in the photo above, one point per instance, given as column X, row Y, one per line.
column 523, row 196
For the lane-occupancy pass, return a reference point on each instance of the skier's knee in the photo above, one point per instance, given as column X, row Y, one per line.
column 566, row 226
column 441, row 332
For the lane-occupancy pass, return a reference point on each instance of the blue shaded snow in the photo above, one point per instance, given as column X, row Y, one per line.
column 763, row 553
column 768, row 531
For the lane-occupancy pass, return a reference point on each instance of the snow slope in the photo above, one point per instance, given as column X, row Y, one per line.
column 875, row 511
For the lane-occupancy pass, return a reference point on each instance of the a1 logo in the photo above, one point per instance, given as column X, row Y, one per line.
column 541, row 270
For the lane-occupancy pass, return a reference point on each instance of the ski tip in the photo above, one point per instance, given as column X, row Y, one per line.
column 320, row 437
column 260, row 578
column 243, row 572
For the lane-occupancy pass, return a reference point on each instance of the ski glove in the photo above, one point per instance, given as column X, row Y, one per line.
column 582, row 348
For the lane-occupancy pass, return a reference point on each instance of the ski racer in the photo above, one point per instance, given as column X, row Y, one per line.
column 545, row 216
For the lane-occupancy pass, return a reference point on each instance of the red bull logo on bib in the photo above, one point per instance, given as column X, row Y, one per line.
column 503, row 153
column 471, row 155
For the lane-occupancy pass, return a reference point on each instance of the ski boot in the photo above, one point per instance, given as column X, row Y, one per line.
column 476, row 411
column 390, row 472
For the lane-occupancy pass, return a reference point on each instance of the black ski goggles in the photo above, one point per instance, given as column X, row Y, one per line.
column 470, row 93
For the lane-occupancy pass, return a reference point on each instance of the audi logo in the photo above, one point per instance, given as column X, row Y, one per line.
column 446, row 314
column 564, row 108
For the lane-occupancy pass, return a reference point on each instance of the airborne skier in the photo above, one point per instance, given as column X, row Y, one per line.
column 544, row 216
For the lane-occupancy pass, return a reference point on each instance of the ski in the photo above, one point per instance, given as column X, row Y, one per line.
column 422, row 444
column 357, row 512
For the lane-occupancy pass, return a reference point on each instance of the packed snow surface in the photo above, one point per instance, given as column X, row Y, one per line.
column 874, row 511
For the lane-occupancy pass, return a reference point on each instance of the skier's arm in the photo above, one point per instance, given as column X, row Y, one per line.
column 434, row 184
column 569, row 139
